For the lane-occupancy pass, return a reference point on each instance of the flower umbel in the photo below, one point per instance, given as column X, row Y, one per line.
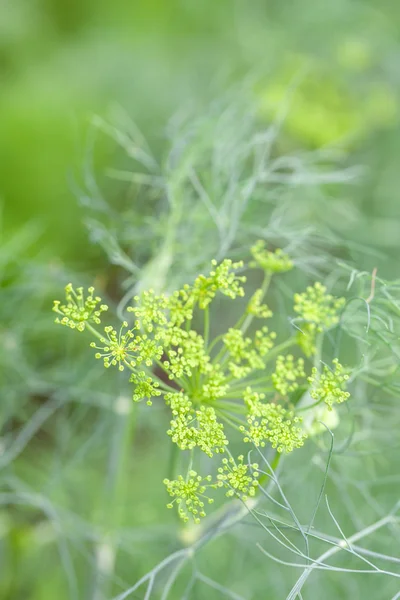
column 329, row 386
column 118, row 348
column 215, row 387
column 272, row 262
column 190, row 495
column 79, row 309
column 241, row 479
column 287, row 374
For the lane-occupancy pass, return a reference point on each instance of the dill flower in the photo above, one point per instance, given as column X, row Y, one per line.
column 271, row 262
column 287, row 373
column 79, row 310
column 210, row 434
column 117, row 348
column 190, row 495
column 256, row 308
column 190, row 428
column 319, row 311
column 145, row 387
column 238, row 478
column 264, row 341
column 222, row 278
column 213, row 387
column 180, row 306
column 236, row 344
column 273, row 423
column 317, row 307
column 150, row 309
column 329, row 386
column 186, row 351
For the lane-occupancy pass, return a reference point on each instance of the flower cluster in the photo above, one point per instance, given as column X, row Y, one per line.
column 145, row 387
column 316, row 306
column 269, row 422
column 256, row 308
column 238, row 477
column 287, row 374
column 271, row 262
column 222, row 278
column 191, row 428
column 228, row 384
column 189, row 495
column 329, row 386
column 318, row 312
column 78, row 311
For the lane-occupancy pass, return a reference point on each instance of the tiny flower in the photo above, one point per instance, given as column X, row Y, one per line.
column 237, row 345
column 185, row 351
column 264, row 341
column 191, row 428
column 210, row 435
column 215, row 385
column 180, row 306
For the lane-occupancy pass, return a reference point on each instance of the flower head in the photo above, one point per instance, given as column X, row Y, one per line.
column 256, row 308
column 273, row 423
column 146, row 387
column 79, row 309
column 191, row 427
column 150, row 309
column 317, row 307
column 185, row 351
column 287, row 374
column 118, row 348
column 190, row 495
column 222, row 278
column 238, row 477
column 329, row 386
column 271, row 262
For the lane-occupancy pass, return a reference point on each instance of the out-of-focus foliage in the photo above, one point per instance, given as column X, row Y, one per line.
column 334, row 64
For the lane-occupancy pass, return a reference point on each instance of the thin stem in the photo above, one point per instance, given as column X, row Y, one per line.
column 230, row 420
column 115, row 488
column 234, row 406
column 206, row 326
column 283, row 346
column 94, row 332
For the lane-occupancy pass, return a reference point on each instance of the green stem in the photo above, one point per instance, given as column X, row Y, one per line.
column 214, row 342
column 115, row 491
column 94, row 332
column 278, row 349
column 206, row 326
column 230, row 420
column 234, row 406
column 173, row 461
column 274, row 466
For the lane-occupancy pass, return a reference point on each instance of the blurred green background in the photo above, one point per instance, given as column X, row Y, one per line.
column 65, row 68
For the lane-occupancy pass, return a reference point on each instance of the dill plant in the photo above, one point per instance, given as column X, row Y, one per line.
column 237, row 382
